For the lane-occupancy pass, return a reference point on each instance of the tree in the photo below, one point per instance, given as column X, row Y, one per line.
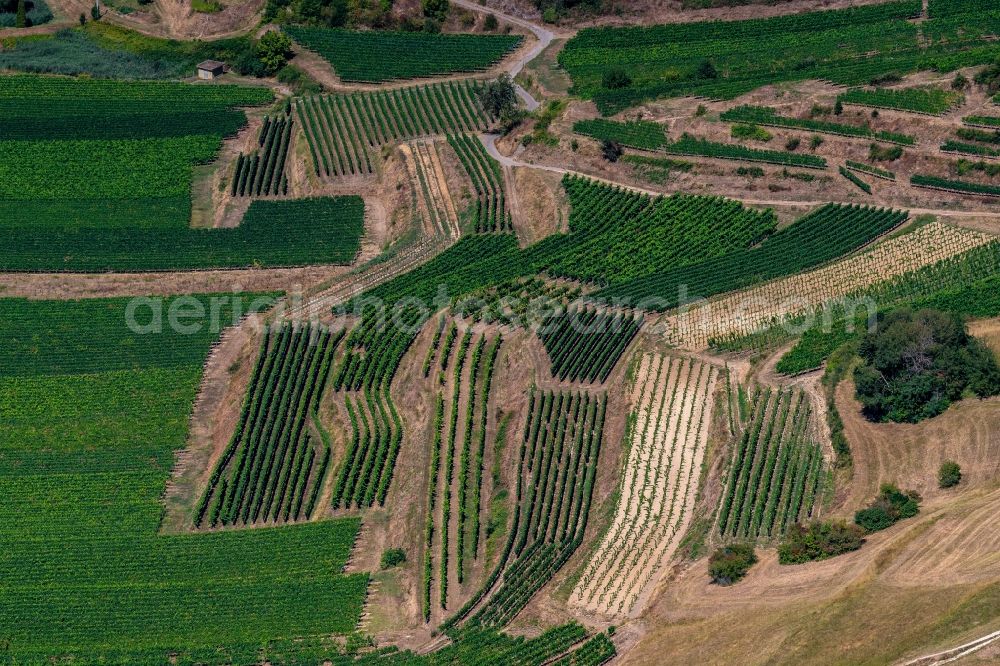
column 728, row 564
column 22, row 15
column 273, row 50
column 960, row 82
column 490, row 23
column 616, row 78
column 838, row 108
column 437, row 9
column 611, row 150
column 498, row 97
column 949, row 475
column 706, row 70
column 95, row 12
column 83, row 19
column 915, row 364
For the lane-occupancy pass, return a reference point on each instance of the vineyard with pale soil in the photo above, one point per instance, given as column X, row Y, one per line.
column 669, row 433
column 744, row 312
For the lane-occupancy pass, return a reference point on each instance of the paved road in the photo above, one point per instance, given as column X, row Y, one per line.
column 544, row 35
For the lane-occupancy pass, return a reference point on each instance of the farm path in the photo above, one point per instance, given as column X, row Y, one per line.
column 489, row 141
column 544, row 35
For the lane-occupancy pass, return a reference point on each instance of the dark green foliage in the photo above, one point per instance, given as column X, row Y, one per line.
column 611, row 150
column 917, row 363
column 374, row 56
column 877, row 153
column 23, row 13
column 819, row 540
column 498, row 97
column 949, row 475
column 729, row 564
column 273, row 50
column 616, row 78
column 641, row 134
column 273, row 233
column 585, row 344
column 763, row 115
column 850, row 46
column 393, row 557
column 891, row 506
column 825, row 234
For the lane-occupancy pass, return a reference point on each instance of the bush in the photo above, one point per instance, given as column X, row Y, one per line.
column 915, row 364
column 729, row 564
column 611, row 150
column 490, row 23
column 960, row 82
column 393, row 557
column 550, row 15
column 878, row 153
column 891, row 506
column 949, row 475
column 815, row 142
column 706, row 70
column 818, row 541
column 751, row 132
column 616, row 78
column 838, row 108
column 792, row 144
column 750, row 172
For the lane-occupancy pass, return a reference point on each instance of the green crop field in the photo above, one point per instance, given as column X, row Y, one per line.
column 373, row 56
column 849, row 46
column 93, row 416
column 273, row 233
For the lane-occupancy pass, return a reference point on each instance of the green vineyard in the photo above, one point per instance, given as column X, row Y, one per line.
column 584, row 344
column 690, row 145
column 275, row 464
column 762, row 115
column 930, row 101
column 324, row 230
column 372, row 56
column 641, row 134
column 957, row 186
column 490, row 213
column 870, row 170
column 344, row 132
column 376, row 434
column 263, row 172
column 82, row 529
column 776, row 475
column 557, row 468
column 849, row 46
column 458, row 451
column 861, row 185
column 821, row 236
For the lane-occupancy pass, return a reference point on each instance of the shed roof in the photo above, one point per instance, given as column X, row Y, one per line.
column 211, row 65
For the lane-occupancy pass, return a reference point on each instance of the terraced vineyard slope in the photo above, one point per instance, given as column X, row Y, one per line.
column 490, row 209
column 744, row 312
column 374, row 56
column 345, row 131
column 667, row 439
column 556, row 471
column 776, row 474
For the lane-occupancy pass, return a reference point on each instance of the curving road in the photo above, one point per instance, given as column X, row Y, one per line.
column 544, row 35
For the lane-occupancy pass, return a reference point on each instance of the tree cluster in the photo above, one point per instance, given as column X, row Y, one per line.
column 891, row 506
column 728, row 564
column 819, row 540
column 915, row 364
